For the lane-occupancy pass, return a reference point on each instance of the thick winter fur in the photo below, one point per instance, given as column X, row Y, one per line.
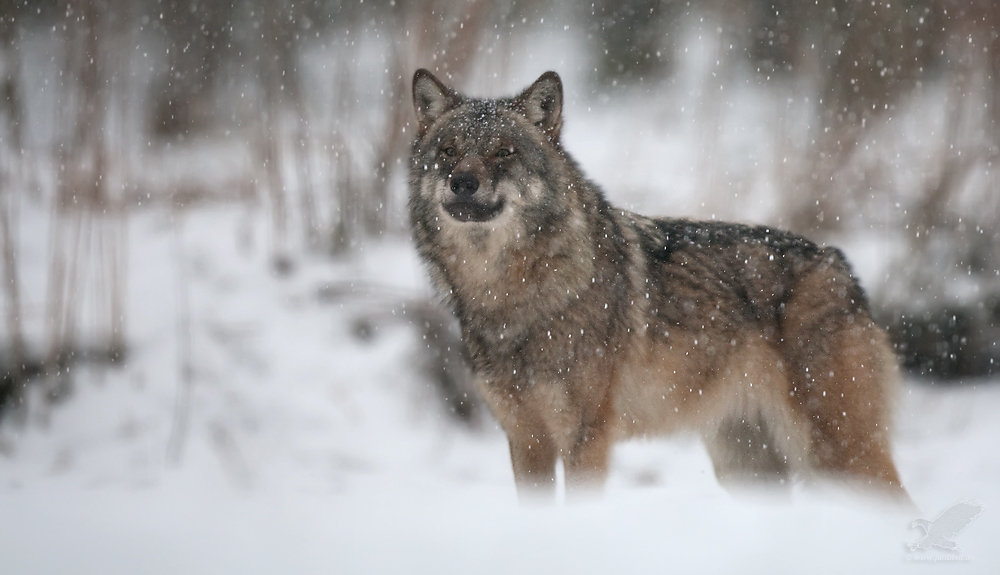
column 588, row 324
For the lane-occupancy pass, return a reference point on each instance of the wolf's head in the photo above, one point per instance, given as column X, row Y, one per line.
column 485, row 161
column 497, row 206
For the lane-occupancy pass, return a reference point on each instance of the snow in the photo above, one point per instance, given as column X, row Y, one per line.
column 303, row 443
column 307, row 449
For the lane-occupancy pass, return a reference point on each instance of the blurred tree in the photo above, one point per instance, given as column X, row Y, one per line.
column 860, row 59
column 200, row 43
column 11, row 147
column 89, row 217
column 634, row 38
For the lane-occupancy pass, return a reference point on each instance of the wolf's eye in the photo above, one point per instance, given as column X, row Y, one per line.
column 450, row 151
column 504, row 152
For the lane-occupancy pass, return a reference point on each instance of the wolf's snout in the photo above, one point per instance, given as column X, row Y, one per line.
column 464, row 184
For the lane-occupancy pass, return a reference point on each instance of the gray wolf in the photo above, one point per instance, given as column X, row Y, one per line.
column 587, row 324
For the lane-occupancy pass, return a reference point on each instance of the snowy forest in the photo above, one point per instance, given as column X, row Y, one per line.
column 217, row 338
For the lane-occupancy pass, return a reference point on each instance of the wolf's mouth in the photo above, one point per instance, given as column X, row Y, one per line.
column 466, row 211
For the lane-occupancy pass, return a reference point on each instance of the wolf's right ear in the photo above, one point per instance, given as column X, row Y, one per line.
column 541, row 103
column 431, row 98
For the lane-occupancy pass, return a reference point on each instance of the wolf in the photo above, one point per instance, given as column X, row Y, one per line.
column 588, row 324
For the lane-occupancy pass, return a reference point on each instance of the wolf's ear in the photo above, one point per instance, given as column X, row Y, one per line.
column 431, row 98
column 541, row 103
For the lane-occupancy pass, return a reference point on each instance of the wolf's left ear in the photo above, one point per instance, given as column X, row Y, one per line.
column 431, row 98
column 541, row 103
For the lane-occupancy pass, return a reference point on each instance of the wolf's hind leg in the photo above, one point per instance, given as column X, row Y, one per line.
column 847, row 397
column 844, row 377
column 744, row 452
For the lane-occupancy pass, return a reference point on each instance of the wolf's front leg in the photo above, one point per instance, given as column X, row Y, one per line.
column 534, row 458
column 587, row 463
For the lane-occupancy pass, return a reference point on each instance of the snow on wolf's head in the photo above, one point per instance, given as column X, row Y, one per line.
column 486, row 167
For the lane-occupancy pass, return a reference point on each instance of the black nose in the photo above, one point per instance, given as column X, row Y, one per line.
column 464, row 184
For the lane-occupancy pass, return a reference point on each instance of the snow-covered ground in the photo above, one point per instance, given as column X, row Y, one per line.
column 300, row 447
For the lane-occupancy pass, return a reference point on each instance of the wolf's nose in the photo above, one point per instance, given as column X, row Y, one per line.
column 464, row 184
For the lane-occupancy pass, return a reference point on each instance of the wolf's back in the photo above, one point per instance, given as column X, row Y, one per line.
column 705, row 275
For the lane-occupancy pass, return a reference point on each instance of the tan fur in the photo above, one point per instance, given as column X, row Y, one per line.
column 588, row 324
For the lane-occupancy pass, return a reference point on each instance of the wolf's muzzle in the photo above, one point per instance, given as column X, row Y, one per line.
column 467, row 210
column 464, row 205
